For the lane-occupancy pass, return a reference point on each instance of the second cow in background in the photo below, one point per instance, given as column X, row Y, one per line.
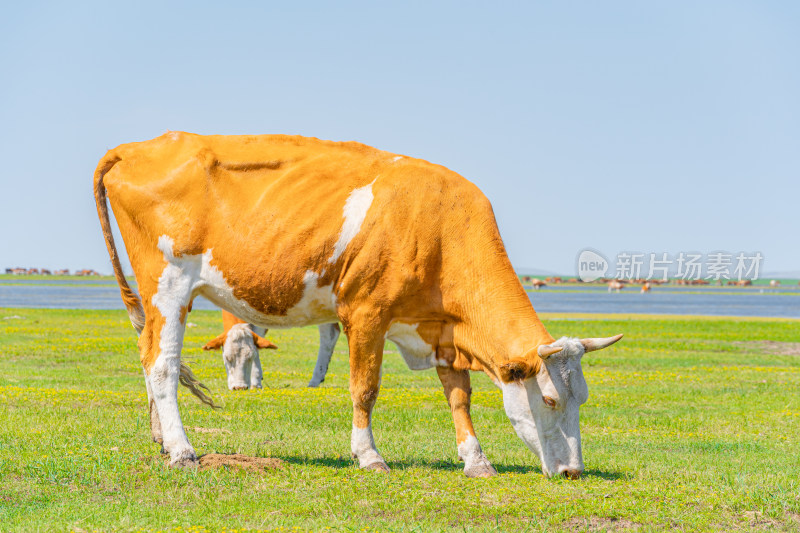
column 240, row 343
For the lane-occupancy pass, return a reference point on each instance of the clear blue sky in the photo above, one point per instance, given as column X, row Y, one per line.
column 644, row 126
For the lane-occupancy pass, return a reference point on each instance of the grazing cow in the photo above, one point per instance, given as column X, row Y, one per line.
column 240, row 342
column 240, row 352
column 538, row 284
column 775, row 283
column 286, row 231
column 615, row 285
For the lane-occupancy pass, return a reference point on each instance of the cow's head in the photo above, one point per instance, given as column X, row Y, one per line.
column 239, row 351
column 542, row 394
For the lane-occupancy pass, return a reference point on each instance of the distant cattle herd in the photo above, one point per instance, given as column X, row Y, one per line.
column 613, row 284
column 617, row 284
column 45, row 272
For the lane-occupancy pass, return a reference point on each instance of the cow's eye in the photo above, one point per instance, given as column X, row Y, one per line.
column 549, row 401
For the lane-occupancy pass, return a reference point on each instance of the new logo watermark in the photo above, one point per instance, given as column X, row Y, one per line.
column 591, row 265
column 717, row 266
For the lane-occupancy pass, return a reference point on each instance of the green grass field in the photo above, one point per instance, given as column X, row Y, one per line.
column 691, row 424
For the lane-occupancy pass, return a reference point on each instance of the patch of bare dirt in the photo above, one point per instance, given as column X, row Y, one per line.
column 773, row 347
column 239, row 461
column 597, row 523
column 757, row 520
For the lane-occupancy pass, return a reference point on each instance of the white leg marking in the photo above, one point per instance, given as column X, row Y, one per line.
column 362, row 444
column 355, row 211
column 174, row 292
column 475, row 462
column 328, row 335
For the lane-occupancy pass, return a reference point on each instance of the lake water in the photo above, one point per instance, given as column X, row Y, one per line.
column 750, row 301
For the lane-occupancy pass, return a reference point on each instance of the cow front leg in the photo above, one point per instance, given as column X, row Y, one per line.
column 328, row 335
column 366, row 355
column 458, row 392
column 160, row 346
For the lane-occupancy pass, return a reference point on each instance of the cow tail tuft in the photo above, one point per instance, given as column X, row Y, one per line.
column 190, row 381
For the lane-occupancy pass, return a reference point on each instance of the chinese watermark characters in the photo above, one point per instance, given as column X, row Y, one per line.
column 714, row 266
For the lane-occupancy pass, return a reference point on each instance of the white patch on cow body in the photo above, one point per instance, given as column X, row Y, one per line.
column 397, row 158
column 418, row 354
column 362, row 445
column 316, row 306
column 354, row 213
column 196, row 273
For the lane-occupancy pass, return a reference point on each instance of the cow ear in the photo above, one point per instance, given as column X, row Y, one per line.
column 261, row 342
column 216, row 343
column 515, row 369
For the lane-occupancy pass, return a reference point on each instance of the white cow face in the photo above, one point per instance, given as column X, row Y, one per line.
column 543, row 407
column 240, row 355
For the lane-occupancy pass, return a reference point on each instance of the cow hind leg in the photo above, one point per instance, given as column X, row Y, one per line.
column 160, row 346
column 328, row 335
column 155, row 422
column 366, row 355
column 458, row 392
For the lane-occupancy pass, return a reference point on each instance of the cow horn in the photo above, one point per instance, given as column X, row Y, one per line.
column 546, row 351
column 590, row 345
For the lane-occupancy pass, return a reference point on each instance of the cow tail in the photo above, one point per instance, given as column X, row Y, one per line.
column 190, row 381
column 132, row 301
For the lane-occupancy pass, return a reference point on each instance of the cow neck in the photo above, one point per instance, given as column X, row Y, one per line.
column 498, row 321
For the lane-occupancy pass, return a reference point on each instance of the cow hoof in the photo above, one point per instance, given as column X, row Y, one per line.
column 315, row 384
column 380, row 466
column 480, row 470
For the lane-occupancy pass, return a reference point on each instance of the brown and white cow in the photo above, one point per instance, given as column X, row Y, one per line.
column 287, row 231
column 615, row 285
column 241, row 340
